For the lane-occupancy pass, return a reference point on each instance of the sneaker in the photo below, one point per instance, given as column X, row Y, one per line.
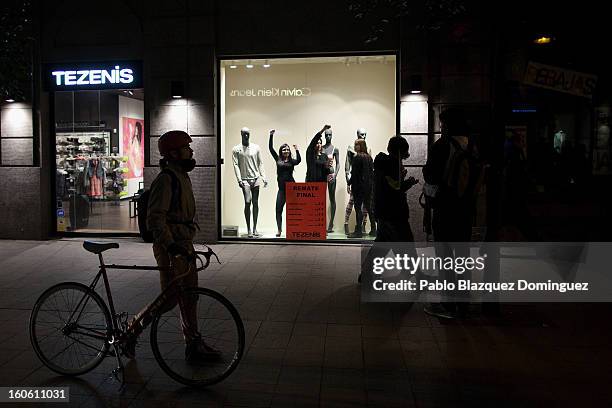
column 439, row 311
column 197, row 350
column 356, row 234
column 129, row 348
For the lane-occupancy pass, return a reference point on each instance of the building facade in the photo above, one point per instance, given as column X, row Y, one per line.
column 187, row 49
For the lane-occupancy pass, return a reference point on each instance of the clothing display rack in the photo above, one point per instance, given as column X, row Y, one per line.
column 86, row 167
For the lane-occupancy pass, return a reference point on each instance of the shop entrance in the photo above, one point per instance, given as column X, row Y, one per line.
column 99, row 157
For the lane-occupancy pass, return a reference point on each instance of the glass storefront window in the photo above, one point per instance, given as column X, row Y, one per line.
column 99, row 157
column 296, row 97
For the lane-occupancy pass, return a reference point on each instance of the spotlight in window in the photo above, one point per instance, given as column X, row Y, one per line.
column 249, row 65
column 177, row 89
column 9, row 100
column 233, row 66
column 266, row 64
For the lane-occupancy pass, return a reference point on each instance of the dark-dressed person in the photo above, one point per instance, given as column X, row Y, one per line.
column 390, row 201
column 285, row 163
column 317, row 163
column 360, row 184
column 390, row 189
column 170, row 218
column 451, row 167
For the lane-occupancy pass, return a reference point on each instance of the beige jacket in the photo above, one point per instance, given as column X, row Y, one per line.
column 171, row 225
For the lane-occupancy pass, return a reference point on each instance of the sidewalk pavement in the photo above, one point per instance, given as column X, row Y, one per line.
column 311, row 342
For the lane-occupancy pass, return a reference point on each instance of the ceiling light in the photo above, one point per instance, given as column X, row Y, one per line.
column 266, row 64
column 177, row 89
column 416, row 84
column 10, row 100
column 233, row 66
column 249, row 65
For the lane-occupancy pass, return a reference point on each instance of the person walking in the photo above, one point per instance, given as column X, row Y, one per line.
column 170, row 218
column 452, row 167
column 390, row 201
column 392, row 212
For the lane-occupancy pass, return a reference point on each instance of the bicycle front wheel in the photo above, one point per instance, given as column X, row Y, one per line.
column 218, row 325
column 69, row 328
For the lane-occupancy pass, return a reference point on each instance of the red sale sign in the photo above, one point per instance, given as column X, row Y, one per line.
column 306, row 212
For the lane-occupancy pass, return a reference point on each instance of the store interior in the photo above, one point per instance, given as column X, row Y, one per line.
column 99, row 147
column 296, row 97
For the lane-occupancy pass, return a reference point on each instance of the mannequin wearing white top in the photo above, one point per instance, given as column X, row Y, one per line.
column 250, row 174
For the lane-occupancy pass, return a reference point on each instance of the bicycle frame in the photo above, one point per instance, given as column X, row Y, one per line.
column 146, row 315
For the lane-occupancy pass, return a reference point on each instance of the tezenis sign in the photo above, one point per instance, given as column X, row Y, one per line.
column 91, row 75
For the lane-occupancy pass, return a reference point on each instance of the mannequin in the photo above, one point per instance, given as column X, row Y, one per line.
column 285, row 164
column 333, row 156
column 250, row 174
column 559, row 141
column 350, row 154
column 362, row 174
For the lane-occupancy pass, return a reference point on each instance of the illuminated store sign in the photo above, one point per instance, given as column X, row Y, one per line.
column 118, row 75
column 268, row 92
column 94, row 76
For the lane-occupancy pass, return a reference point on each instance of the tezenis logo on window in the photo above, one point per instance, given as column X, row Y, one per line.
column 94, row 76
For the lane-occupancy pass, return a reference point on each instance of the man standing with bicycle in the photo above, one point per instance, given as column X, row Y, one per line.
column 170, row 218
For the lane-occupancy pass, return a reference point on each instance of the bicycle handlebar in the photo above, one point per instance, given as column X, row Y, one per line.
column 204, row 264
column 207, row 255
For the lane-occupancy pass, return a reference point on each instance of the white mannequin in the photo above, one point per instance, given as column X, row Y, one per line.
column 334, row 157
column 250, row 174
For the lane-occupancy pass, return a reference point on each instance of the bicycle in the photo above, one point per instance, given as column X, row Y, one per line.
column 72, row 329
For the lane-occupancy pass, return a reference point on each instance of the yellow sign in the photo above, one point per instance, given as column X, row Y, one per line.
column 559, row 79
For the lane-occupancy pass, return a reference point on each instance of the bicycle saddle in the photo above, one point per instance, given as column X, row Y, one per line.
column 98, row 247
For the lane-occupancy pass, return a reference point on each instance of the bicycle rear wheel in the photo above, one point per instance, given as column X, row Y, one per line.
column 69, row 328
column 219, row 326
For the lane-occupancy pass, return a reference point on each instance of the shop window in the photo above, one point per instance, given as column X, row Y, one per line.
column 296, row 97
column 99, row 146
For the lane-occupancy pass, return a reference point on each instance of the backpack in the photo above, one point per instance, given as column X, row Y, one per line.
column 462, row 173
column 142, row 204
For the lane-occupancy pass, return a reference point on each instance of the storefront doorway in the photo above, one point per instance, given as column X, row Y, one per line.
column 99, row 144
column 99, row 147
